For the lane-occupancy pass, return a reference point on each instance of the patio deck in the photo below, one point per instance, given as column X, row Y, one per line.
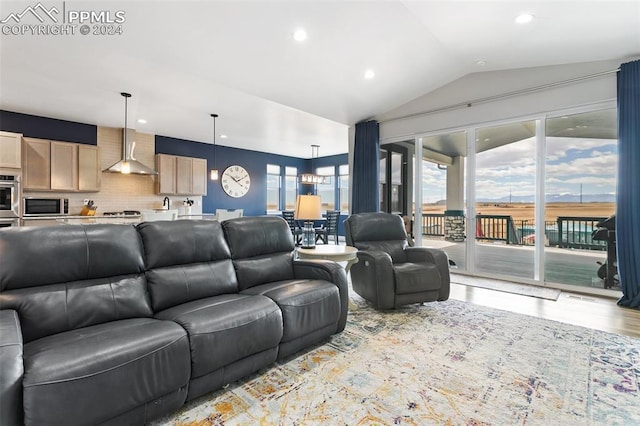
column 563, row 265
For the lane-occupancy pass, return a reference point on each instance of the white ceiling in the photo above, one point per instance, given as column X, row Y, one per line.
column 183, row 60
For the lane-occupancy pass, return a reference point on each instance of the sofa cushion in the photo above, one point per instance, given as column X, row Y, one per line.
column 261, row 249
column 58, row 308
column 187, row 260
column 92, row 374
column 416, row 277
column 307, row 305
column 226, row 328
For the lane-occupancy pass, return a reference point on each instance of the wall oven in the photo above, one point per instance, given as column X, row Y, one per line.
column 9, row 196
column 35, row 206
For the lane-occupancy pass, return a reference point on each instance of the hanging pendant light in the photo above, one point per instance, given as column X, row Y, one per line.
column 312, row 178
column 213, row 174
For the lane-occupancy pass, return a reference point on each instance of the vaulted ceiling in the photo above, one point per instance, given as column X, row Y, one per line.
column 183, row 60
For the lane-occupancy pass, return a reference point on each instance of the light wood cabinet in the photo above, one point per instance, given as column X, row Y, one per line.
column 10, row 150
column 36, row 174
column 60, row 166
column 199, row 176
column 166, row 179
column 89, row 173
column 179, row 175
column 64, row 166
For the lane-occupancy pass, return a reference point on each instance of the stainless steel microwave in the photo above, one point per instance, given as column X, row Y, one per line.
column 35, row 206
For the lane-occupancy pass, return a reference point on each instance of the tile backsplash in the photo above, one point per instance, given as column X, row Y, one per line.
column 123, row 192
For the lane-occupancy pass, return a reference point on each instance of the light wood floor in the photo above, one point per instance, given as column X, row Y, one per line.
column 595, row 312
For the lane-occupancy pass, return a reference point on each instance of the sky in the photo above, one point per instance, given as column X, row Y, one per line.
column 510, row 169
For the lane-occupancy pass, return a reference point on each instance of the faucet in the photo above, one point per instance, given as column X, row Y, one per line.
column 166, row 202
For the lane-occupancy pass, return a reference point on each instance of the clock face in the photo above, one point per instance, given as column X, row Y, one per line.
column 235, row 181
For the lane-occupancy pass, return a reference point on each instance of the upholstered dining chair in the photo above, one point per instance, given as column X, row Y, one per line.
column 330, row 227
column 389, row 273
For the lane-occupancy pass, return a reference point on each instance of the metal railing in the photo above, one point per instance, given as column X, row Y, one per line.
column 565, row 232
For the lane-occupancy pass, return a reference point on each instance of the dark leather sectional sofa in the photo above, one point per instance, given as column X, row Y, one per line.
column 121, row 324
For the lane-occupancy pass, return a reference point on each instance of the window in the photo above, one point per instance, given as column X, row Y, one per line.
column 343, row 187
column 326, row 191
column 382, row 186
column 273, row 187
column 291, row 187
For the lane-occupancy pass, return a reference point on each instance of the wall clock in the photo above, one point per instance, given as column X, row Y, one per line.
column 235, row 181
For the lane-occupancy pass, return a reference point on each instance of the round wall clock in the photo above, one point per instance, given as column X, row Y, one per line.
column 235, row 181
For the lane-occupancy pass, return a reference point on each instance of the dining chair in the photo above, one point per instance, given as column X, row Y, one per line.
column 294, row 226
column 224, row 214
column 330, row 227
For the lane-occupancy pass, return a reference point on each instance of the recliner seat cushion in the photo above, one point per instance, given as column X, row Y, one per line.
column 307, row 305
column 416, row 277
column 226, row 328
column 103, row 370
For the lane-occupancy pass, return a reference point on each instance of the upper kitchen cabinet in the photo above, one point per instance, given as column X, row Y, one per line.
column 179, row 175
column 60, row 166
column 10, row 150
column 36, row 174
column 89, row 174
column 64, row 166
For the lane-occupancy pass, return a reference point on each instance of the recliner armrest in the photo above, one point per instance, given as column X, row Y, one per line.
column 329, row 271
column 11, row 368
column 441, row 260
column 381, row 265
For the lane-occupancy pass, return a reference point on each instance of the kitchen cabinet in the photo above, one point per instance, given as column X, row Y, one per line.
column 64, row 166
column 184, row 172
column 166, row 179
column 179, row 175
column 10, row 150
column 36, row 173
column 60, row 166
column 89, row 173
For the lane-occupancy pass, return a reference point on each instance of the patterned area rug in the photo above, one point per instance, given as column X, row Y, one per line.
column 448, row 363
column 507, row 287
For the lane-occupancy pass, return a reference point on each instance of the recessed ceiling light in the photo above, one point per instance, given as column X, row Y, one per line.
column 299, row 35
column 223, row 136
column 369, row 74
column 524, row 18
column 142, row 121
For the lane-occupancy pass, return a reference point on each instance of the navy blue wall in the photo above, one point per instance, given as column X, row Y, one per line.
column 33, row 126
column 255, row 202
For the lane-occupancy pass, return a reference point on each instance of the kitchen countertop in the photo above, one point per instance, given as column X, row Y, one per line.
column 71, row 216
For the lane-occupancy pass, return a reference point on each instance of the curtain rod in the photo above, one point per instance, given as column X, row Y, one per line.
column 501, row 96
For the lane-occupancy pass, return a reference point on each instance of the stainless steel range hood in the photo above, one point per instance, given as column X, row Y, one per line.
column 129, row 164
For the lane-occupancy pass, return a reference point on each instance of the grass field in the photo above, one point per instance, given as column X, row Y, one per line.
column 525, row 211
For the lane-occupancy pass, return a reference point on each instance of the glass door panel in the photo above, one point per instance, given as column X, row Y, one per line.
column 443, row 195
column 580, row 185
column 505, row 188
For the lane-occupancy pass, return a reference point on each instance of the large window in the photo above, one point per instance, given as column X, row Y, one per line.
column 326, row 191
column 343, row 187
column 291, row 187
column 273, row 187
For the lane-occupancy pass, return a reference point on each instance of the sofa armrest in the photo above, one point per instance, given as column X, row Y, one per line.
column 329, row 271
column 11, row 368
column 441, row 260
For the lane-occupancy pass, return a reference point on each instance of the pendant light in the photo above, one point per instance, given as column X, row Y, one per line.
column 213, row 174
column 312, row 178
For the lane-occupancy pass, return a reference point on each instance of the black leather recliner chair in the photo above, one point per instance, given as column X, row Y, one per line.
column 389, row 273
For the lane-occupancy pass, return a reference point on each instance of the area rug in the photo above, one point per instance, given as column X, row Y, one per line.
column 441, row 363
column 507, row 287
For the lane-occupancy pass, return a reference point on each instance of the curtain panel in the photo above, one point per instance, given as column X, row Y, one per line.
column 366, row 166
column 628, row 194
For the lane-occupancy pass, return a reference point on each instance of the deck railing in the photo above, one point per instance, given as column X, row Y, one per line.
column 566, row 231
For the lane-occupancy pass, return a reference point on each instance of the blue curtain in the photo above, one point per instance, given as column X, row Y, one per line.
column 366, row 166
column 628, row 197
